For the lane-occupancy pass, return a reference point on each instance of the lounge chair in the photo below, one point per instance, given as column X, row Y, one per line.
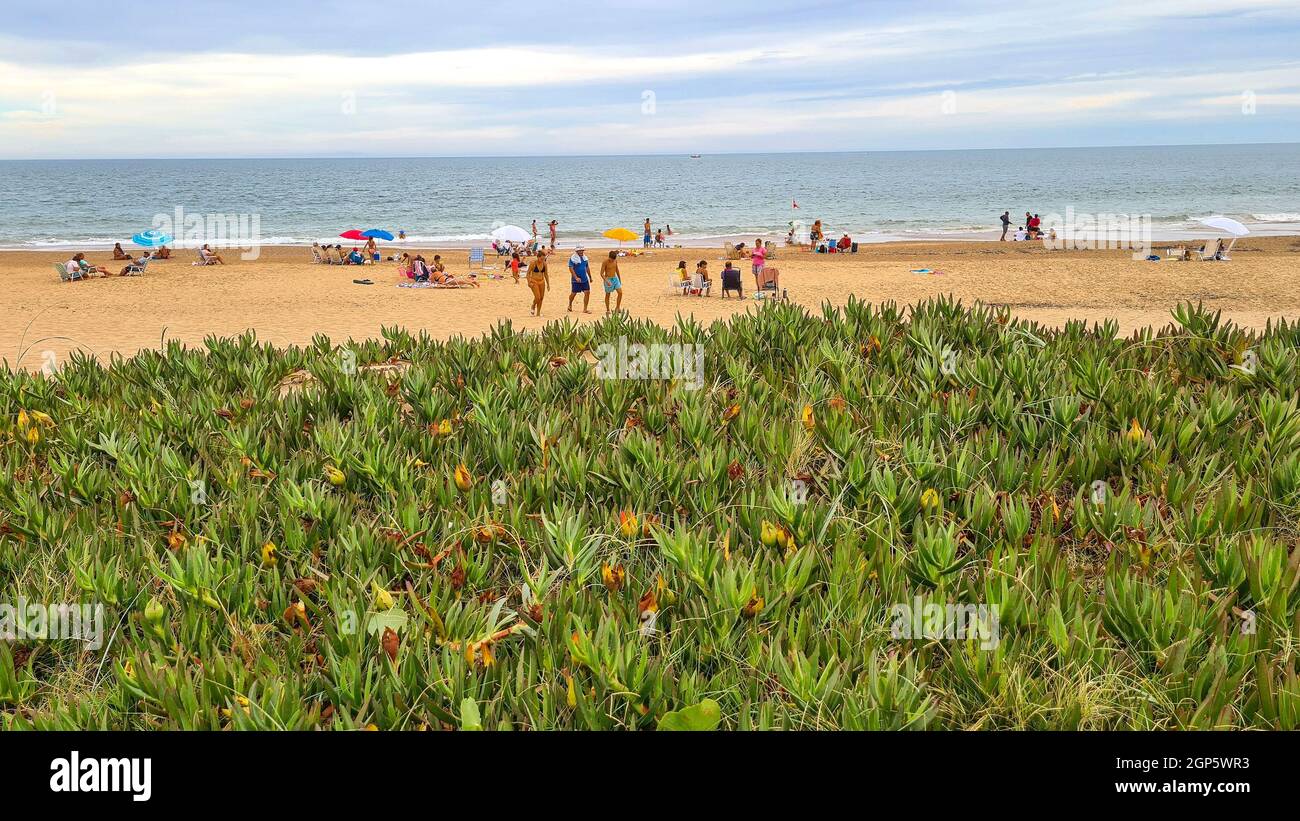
column 1225, row 249
column 135, row 269
column 769, row 279
column 1210, row 251
column 730, row 249
column 316, row 257
column 65, row 276
column 476, row 255
column 202, row 260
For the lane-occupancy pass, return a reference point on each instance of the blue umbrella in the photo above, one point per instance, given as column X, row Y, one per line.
column 378, row 233
column 151, row 238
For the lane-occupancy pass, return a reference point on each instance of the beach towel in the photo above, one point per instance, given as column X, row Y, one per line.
column 431, row 285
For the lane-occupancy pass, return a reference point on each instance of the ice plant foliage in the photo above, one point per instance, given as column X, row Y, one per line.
column 411, row 533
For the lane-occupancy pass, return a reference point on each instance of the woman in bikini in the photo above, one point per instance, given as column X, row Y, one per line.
column 438, row 273
column 539, row 281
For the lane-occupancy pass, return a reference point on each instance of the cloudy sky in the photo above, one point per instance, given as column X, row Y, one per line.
column 293, row 78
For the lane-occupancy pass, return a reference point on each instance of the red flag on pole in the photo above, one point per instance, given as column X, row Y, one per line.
column 794, row 204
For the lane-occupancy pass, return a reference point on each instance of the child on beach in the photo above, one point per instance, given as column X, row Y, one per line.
column 609, row 273
column 514, row 263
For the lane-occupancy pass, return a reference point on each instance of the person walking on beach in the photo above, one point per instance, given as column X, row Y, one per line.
column 514, row 266
column 534, row 232
column 539, row 281
column 552, row 226
column 1006, row 224
column 613, row 284
column 645, row 240
column 580, row 278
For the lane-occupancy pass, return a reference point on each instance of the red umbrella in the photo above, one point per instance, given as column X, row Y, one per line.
column 353, row 234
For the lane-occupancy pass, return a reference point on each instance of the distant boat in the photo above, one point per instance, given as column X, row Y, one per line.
column 695, row 156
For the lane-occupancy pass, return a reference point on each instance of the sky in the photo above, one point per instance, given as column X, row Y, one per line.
column 388, row 79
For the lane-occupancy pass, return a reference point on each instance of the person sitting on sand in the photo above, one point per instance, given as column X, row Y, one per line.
column 419, row 270
column 210, row 257
column 731, row 281
column 118, row 253
column 1021, row 234
column 163, row 252
column 844, row 244
column 609, row 274
column 438, row 273
column 355, row 257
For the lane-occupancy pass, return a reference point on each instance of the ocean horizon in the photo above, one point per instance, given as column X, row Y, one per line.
column 875, row 196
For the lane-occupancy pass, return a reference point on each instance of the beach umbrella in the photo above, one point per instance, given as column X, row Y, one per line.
column 377, row 233
column 1226, row 224
column 621, row 235
column 353, row 234
column 511, row 233
column 151, row 238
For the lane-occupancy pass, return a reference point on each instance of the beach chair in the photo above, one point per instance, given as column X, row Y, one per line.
column 475, row 255
column 135, row 269
column 769, row 278
column 1224, row 250
column 316, row 257
column 676, row 285
column 202, row 260
column 730, row 249
column 65, row 276
column 1210, row 251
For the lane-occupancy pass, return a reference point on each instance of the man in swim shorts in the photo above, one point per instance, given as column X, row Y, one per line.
column 580, row 278
column 609, row 273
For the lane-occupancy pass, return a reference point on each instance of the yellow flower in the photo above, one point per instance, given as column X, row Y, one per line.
column 809, row 421
column 768, row 534
column 23, row 420
column 43, row 418
column 613, row 577
column 730, row 413
column 929, row 499
column 269, row 553
column 33, row 435
column 444, row 427
column 753, row 607
column 383, row 599
column 1135, row 433
column 335, row 476
column 627, row 523
column 464, row 479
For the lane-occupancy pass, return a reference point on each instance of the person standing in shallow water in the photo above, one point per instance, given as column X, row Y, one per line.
column 645, row 239
column 539, row 281
column 613, row 284
column 1006, row 223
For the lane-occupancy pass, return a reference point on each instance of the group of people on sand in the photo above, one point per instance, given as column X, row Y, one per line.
column 359, row 255
column 538, row 277
column 1032, row 229
column 657, row 239
column 418, row 269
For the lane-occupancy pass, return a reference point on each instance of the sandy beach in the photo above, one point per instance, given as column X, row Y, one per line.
column 286, row 299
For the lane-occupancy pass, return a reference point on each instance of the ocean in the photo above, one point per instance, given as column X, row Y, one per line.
column 874, row 196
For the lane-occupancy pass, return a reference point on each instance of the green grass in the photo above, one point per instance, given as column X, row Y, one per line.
column 263, row 541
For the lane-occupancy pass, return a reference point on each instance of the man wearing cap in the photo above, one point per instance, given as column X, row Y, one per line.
column 580, row 278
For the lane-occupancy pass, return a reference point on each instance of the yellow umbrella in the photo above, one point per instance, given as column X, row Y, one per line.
column 621, row 234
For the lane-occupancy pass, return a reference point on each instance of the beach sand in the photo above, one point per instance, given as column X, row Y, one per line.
column 286, row 299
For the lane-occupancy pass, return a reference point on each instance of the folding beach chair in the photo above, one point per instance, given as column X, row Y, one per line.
column 1210, row 251
column 135, row 269
column 315, row 255
column 202, row 260
column 1225, row 249
column 475, row 255
column 65, row 276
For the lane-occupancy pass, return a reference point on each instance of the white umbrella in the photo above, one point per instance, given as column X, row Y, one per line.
column 511, row 233
column 1226, row 224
